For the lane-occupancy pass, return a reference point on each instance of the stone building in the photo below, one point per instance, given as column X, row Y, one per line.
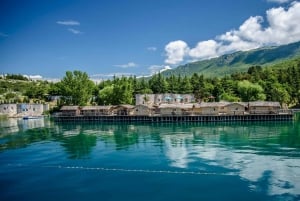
column 156, row 99
column 23, row 109
column 8, row 109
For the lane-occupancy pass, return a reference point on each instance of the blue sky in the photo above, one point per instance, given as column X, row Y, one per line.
column 106, row 37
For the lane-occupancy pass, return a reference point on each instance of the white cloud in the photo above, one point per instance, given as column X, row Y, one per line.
column 34, row 77
column 3, row 34
column 158, row 68
column 205, row 49
column 128, row 65
column 100, row 77
column 279, row 1
column 69, row 23
column 153, row 49
column 176, row 51
column 283, row 27
column 75, row 31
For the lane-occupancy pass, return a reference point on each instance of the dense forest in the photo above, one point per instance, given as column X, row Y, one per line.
column 276, row 83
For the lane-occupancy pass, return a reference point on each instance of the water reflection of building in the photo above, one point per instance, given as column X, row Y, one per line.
column 13, row 125
column 32, row 123
column 10, row 125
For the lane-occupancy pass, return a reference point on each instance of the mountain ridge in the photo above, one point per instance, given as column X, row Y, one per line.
column 238, row 61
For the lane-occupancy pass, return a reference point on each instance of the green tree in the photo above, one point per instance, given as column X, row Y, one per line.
column 158, row 84
column 185, row 86
column 173, row 85
column 197, row 83
column 279, row 93
column 106, row 95
column 76, row 87
column 229, row 97
column 250, row 92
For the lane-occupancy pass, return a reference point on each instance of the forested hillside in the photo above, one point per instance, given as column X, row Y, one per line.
column 280, row 82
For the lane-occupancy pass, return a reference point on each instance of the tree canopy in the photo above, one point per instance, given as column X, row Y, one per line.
column 76, row 88
column 270, row 84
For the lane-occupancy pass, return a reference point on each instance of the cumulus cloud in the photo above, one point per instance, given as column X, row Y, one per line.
column 158, row 68
column 176, row 51
column 75, row 31
column 69, row 23
column 205, row 49
column 128, row 65
column 283, row 27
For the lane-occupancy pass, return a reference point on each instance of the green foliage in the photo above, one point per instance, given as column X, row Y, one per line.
column 158, row 83
column 121, row 92
column 279, row 93
column 250, row 92
column 16, row 77
column 229, row 97
column 76, row 88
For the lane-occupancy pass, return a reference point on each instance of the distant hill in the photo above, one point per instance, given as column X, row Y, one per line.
column 238, row 61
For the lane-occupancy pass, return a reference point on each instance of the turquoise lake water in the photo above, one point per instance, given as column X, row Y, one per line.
column 44, row 160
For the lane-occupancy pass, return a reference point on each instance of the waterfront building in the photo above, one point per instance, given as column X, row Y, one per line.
column 175, row 109
column 23, row 109
column 8, row 109
column 144, row 110
column 70, row 110
column 212, row 108
column 156, row 99
column 236, row 108
column 96, row 110
column 264, row 107
column 124, row 110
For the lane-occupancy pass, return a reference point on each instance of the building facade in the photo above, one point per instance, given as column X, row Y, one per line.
column 23, row 109
column 157, row 99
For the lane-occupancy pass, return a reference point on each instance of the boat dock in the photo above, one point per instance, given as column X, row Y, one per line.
column 178, row 118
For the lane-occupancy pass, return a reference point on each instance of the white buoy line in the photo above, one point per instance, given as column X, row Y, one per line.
column 128, row 170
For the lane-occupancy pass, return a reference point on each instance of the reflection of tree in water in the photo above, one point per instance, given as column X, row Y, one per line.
column 23, row 139
column 79, row 146
column 125, row 140
column 122, row 135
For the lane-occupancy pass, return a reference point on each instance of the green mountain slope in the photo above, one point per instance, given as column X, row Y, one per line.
column 238, row 61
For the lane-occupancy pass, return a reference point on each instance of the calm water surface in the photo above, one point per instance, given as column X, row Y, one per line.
column 43, row 160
